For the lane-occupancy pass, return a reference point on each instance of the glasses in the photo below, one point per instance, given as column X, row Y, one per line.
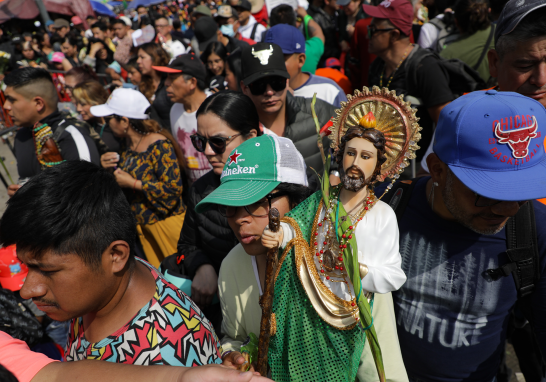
column 260, row 209
column 482, row 201
column 161, row 25
column 217, row 144
column 260, row 86
column 372, row 29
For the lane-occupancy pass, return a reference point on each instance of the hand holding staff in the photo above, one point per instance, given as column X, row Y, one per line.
column 266, row 301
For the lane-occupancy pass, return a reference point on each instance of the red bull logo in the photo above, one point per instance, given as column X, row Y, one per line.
column 517, row 139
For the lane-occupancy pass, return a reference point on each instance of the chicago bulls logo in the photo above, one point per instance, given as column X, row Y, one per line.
column 263, row 55
column 518, row 139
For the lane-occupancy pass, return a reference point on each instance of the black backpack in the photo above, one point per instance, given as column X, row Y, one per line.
column 447, row 31
column 461, row 77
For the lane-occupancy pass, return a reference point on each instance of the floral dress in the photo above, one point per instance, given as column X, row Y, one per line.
column 158, row 170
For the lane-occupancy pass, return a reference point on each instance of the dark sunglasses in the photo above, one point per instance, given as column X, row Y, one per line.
column 372, row 29
column 259, row 87
column 217, row 144
column 258, row 210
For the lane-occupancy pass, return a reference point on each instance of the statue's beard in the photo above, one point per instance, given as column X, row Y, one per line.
column 354, row 183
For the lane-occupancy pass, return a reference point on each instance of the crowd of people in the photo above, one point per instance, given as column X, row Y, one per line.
column 151, row 148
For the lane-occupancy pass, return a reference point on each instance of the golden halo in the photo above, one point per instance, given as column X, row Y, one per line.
column 395, row 119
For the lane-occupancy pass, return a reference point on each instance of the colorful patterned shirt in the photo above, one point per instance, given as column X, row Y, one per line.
column 168, row 330
column 158, row 169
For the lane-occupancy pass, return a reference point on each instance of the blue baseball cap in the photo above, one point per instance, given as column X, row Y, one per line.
column 289, row 38
column 494, row 143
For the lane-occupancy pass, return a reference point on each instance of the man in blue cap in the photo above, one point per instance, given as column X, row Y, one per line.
column 473, row 238
column 305, row 84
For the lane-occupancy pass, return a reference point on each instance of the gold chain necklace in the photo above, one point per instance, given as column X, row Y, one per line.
column 392, row 74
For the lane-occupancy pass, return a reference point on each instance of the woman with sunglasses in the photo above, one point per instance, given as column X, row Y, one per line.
column 149, row 168
column 224, row 121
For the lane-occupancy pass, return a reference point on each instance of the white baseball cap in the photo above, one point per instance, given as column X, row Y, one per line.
column 124, row 102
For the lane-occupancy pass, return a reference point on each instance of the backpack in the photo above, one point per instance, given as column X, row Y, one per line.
column 461, row 77
column 521, row 249
column 253, row 33
column 448, row 31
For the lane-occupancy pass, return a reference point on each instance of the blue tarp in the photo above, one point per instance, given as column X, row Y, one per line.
column 115, row 3
column 135, row 3
column 101, row 8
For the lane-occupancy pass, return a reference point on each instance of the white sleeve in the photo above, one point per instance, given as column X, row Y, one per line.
column 259, row 31
column 288, row 234
column 427, row 36
column 379, row 250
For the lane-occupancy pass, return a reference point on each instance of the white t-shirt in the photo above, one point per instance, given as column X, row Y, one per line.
column 183, row 125
column 246, row 30
column 326, row 89
column 429, row 35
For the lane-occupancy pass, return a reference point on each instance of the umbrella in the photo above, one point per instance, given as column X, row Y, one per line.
column 102, row 9
column 135, row 3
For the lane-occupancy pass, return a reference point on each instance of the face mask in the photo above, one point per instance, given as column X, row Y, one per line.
column 227, row 29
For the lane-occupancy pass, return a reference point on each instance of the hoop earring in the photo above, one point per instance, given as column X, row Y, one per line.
column 431, row 195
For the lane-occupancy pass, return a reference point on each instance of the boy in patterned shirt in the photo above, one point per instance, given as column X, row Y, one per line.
column 75, row 231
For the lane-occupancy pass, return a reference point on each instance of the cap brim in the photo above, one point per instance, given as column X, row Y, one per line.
column 101, row 110
column 13, row 283
column 525, row 184
column 374, row 11
column 166, row 69
column 343, row 2
column 203, row 45
column 516, row 22
column 256, row 76
column 237, row 193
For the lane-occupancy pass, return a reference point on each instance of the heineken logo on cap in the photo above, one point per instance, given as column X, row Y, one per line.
column 239, row 170
column 233, row 158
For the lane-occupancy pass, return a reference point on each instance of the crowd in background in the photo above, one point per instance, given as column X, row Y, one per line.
column 161, row 96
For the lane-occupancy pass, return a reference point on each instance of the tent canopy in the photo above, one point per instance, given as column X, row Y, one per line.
column 27, row 9
column 102, row 9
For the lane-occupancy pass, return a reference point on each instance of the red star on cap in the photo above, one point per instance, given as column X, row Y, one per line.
column 233, row 157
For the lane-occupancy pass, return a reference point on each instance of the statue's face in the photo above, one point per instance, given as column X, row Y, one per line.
column 359, row 162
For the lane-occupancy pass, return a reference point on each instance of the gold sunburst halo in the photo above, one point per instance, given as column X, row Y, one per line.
column 395, row 119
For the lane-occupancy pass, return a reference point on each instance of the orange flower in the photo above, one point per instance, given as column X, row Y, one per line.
column 368, row 121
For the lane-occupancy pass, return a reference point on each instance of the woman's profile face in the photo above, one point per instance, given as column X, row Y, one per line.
column 144, row 62
column 215, row 64
column 102, row 53
column 68, row 50
column 85, row 111
column 231, row 79
column 135, row 76
column 28, row 54
column 210, row 125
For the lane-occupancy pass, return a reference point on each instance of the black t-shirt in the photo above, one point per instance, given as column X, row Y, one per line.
column 75, row 144
column 432, row 88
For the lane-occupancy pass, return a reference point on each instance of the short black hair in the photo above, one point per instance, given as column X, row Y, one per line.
column 118, row 21
column 6, row 375
column 25, row 76
column 72, row 208
column 36, row 82
column 99, row 24
column 296, row 192
column 283, row 14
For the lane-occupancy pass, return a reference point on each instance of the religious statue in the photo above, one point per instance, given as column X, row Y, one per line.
column 340, row 246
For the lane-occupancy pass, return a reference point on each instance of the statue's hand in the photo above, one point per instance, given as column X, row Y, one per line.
column 272, row 239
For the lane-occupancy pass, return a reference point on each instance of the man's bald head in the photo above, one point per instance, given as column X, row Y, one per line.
column 33, row 82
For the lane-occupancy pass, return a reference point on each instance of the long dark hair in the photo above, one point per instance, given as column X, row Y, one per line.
column 217, row 48
column 229, row 106
column 152, row 126
column 472, row 15
column 370, row 134
column 159, row 58
column 234, row 63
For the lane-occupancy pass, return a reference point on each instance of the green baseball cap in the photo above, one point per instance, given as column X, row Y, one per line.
column 254, row 169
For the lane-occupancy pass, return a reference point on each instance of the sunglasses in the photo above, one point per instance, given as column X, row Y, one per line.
column 217, row 144
column 372, row 29
column 260, row 86
column 260, row 209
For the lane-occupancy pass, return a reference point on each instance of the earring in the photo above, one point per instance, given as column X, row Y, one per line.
column 431, row 195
